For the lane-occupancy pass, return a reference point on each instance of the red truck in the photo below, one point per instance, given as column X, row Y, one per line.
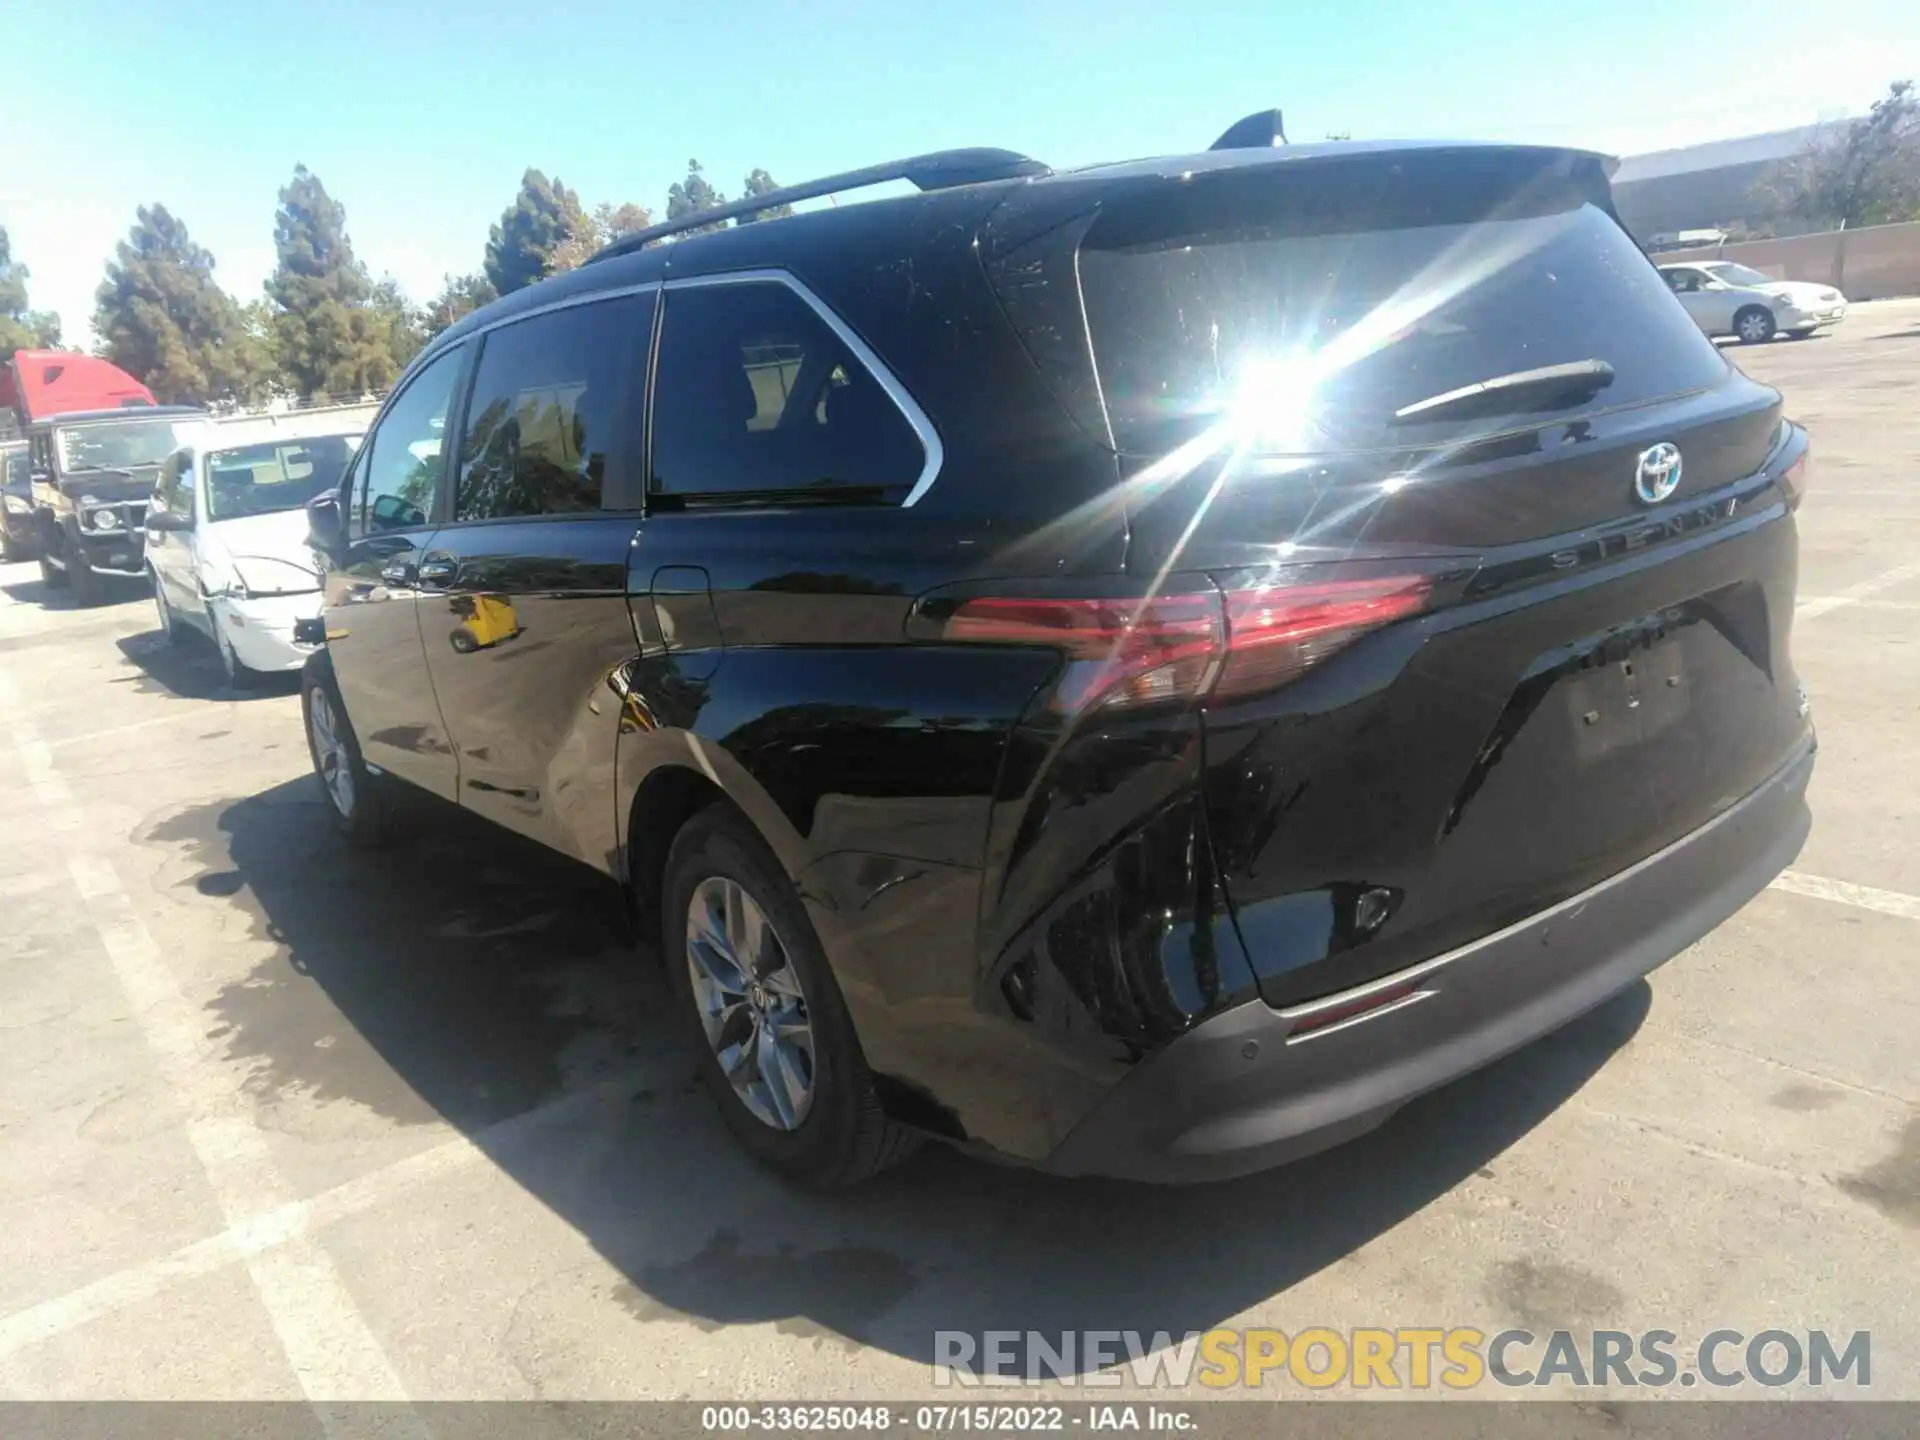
column 95, row 440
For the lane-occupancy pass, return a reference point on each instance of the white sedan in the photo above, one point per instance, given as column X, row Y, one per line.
column 1726, row 298
column 227, row 546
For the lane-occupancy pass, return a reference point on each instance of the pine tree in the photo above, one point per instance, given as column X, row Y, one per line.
column 607, row 224
column 459, row 297
column 163, row 318
column 759, row 182
column 544, row 216
column 328, row 336
column 692, row 195
column 21, row 328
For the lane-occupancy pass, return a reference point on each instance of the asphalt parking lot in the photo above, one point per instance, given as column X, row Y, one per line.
column 280, row 1120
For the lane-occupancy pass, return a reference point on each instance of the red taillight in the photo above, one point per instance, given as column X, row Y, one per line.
column 1277, row 632
column 1130, row 652
column 1120, row 652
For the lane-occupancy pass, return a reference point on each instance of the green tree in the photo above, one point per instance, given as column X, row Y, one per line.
column 459, row 297
column 21, row 328
column 692, row 195
column 1864, row 173
column 759, row 182
column 328, row 336
column 607, row 224
column 544, row 216
column 406, row 326
column 163, row 318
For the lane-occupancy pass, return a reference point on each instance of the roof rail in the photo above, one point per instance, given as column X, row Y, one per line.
column 934, row 171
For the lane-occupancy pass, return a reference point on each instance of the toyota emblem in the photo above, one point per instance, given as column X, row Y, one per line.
column 1659, row 473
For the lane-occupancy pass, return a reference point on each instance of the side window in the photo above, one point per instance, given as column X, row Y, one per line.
column 755, row 393
column 555, row 404
column 394, row 489
column 175, row 490
column 42, row 452
column 1684, row 281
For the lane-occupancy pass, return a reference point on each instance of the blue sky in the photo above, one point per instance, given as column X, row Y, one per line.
column 421, row 117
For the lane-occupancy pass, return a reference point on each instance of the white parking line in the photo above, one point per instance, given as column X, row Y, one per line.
column 256, row 1234
column 1841, row 892
column 1834, row 602
column 333, row 1353
column 1853, row 594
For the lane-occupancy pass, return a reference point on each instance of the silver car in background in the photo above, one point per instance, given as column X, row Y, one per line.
column 1725, row 297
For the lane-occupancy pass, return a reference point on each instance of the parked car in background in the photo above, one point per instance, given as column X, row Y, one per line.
column 227, row 550
column 1726, row 298
column 16, row 502
column 92, row 475
column 1142, row 670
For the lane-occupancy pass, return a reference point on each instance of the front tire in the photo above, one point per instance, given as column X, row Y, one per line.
column 169, row 627
column 52, row 576
column 777, row 1049
column 85, row 582
column 1754, row 325
column 240, row 676
column 354, row 802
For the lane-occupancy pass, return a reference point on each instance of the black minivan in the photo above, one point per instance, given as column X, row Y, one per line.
column 1139, row 670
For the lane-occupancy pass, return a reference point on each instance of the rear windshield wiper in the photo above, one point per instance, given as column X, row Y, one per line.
column 1576, row 378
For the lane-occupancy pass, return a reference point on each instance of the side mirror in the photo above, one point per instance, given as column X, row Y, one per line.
column 167, row 520
column 325, row 524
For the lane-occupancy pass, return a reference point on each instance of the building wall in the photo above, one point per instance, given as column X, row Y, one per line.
column 1700, row 200
column 1868, row 263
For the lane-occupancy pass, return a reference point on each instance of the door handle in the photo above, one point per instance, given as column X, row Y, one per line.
column 438, row 572
column 400, row 572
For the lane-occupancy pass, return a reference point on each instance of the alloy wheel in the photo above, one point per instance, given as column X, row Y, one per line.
column 330, row 752
column 751, row 1003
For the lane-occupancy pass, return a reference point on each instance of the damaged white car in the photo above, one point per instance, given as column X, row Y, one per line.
column 227, row 544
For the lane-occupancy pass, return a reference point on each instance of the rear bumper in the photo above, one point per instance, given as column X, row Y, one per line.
column 1255, row 1086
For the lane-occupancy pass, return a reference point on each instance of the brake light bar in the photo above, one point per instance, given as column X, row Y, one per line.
column 1128, row 652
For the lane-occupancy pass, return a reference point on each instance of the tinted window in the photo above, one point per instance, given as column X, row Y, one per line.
column 554, row 403
column 404, row 454
column 756, row 393
column 1305, row 309
column 19, row 467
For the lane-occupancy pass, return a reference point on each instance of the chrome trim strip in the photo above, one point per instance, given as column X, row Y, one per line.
column 586, row 297
column 896, row 392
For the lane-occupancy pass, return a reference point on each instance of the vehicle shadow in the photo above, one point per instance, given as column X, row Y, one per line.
column 191, row 670
column 486, row 979
column 114, row 591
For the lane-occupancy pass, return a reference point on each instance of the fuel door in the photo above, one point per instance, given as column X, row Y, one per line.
column 682, row 598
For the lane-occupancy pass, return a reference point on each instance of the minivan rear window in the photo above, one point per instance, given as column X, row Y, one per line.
column 1298, row 306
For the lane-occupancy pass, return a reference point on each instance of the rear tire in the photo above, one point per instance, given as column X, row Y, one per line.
column 355, row 803
column 1754, row 325
column 841, row 1135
